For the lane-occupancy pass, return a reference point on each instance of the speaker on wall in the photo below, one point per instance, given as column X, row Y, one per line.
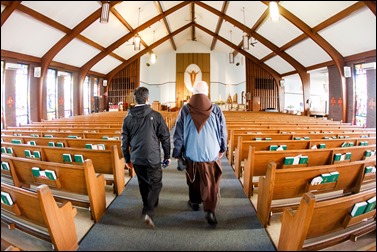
column 104, row 83
column 347, row 71
column 37, row 72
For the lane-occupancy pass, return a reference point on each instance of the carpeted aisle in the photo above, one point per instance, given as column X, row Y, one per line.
column 178, row 228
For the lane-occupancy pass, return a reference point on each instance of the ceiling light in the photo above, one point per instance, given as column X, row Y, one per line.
column 245, row 37
column 105, row 12
column 137, row 37
column 136, row 42
column 153, row 58
column 231, row 55
column 274, row 11
column 153, row 55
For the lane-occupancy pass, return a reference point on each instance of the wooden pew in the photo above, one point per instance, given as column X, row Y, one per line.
column 285, row 184
column 104, row 161
column 242, row 147
column 234, row 134
column 257, row 162
column 68, row 142
column 329, row 220
column 74, row 179
column 40, row 209
column 50, row 134
column 67, row 129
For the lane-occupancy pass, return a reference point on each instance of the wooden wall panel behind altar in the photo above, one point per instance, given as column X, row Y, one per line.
column 191, row 67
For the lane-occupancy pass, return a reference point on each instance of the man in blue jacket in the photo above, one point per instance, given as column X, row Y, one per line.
column 143, row 131
column 200, row 138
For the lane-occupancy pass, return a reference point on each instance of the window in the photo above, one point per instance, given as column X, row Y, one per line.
column 51, row 94
column 22, row 95
column 67, row 93
column 86, row 96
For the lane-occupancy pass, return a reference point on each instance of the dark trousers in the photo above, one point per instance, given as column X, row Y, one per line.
column 203, row 180
column 150, row 184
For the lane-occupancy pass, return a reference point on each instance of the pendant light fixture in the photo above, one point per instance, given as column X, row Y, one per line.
column 153, row 55
column 137, row 37
column 105, row 12
column 231, row 55
column 274, row 11
column 245, row 37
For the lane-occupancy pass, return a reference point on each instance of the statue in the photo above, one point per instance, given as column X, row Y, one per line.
column 192, row 76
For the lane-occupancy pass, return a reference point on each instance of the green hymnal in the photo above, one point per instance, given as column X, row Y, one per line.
column 67, row 157
column 371, row 204
column 282, row 147
column 49, row 136
column 31, row 143
column 344, row 144
column 10, row 150
column 51, row 144
column 50, row 174
column 337, row 157
column 16, row 141
column 6, row 198
column 60, row 144
column 105, row 137
column 303, row 160
column 5, row 166
column 297, row 138
column 35, row 171
column 306, row 138
column 334, row 176
column 359, row 208
column 368, row 153
column 326, row 178
column 322, row 146
column 273, row 147
column 37, row 154
column 348, row 156
column 288, row 160
column 350, row 144
column 89, row 146
column 363, row 143
column 79, row 158
column 341, row 137
column 268, row 138
column 258, row 139
column 370, row 169
column 71, row 136
column 27, row 153
column 3, row 150
column 34, row 135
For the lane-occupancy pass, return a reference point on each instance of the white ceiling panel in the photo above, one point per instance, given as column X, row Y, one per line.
column 305, row 10
column 279, row 33
column 279, row 64
column 28, row 36
column 313, row 53
column 105, row 65
column 76, row 53
column 179, row 18
column 354, row 34
column 68, row 13
column 106, row 34
column 206, row 19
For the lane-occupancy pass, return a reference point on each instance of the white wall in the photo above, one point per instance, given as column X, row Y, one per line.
column 160, row 78
column 318, row 91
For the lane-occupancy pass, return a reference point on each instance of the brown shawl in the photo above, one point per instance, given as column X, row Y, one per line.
column 200, row 108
